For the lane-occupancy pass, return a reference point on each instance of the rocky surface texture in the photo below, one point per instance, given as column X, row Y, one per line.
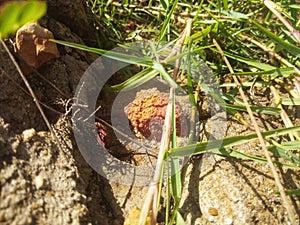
column 147, row 111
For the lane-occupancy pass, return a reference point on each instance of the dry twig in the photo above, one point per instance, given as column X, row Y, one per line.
column 36, row 101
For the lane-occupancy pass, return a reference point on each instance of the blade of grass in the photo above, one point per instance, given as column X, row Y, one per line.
column 290, row 101
column 284, row 153
column 261, row 66
column 293, row 192
column 276, row 10
column 255, row 108
column 227, row 142
column 158, row 67
column 151, row 202
column 284, row 72
column 293, row 49
column 16, row 14
column 136, row 60
column 271, row 53
column 135, row 81
column 162, row 35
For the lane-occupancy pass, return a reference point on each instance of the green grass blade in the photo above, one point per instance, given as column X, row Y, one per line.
column 290, row 101
column 9, row 19
column 293, row 192
column 291, row 145
column 211, row 146
column 255, row 108
column 240, row 105
column 175, row 165
column 32, row 11
column 247, row 84
column 179, row 219
column 176, row 178
column 158, row 67
column 293, row 49
column 198, row 36
column 165, row 4
column 285, row 154
column 284, row 72
column 244, row 156
column 225, row 4
column 167, row 22
column 250, row 62
column 235, row 15
column 130, row 59
column 135, row 81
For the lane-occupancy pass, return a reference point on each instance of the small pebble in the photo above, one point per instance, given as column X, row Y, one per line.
column 228, row 221
column 39, row 181
column 28, row 134
column 15, row 145
column 213, row 211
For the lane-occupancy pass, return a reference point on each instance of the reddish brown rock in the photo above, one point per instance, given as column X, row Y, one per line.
column 33, row 45
column 147, row 112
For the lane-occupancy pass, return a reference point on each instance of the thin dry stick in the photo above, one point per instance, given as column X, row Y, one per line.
column 273, row 8
column 260, row 138
column 27, row 93
column 152, row 194
column 284, row 116
column 43, row 77
column 151, row 199
column 32, row 95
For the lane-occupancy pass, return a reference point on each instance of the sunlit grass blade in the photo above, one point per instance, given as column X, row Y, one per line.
column 165, row 4
column 158, row 67
column 127, row 58
column 179, row 219
column 255, row 108
column 250, row 62
column 176, row 179
column 258, row 109
column 235, row 15
column 290, row 101
column 236, row 154
column 284, row 154
column 135, row 81
column 291, row 145
column 225, row 4
column 175, row 165
column 214, row 146
column 166, row 23
column 293, row 192
column 247, row 84
column 284, row 72
column 240, row 155
column 293, row 49
column 200, row 34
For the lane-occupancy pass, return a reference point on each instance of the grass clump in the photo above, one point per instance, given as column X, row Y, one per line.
column 252, row 50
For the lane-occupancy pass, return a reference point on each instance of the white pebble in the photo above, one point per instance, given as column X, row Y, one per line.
column 28, row 134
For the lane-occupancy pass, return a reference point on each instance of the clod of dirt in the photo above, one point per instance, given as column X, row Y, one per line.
column 147, row 111
column 33, row 45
